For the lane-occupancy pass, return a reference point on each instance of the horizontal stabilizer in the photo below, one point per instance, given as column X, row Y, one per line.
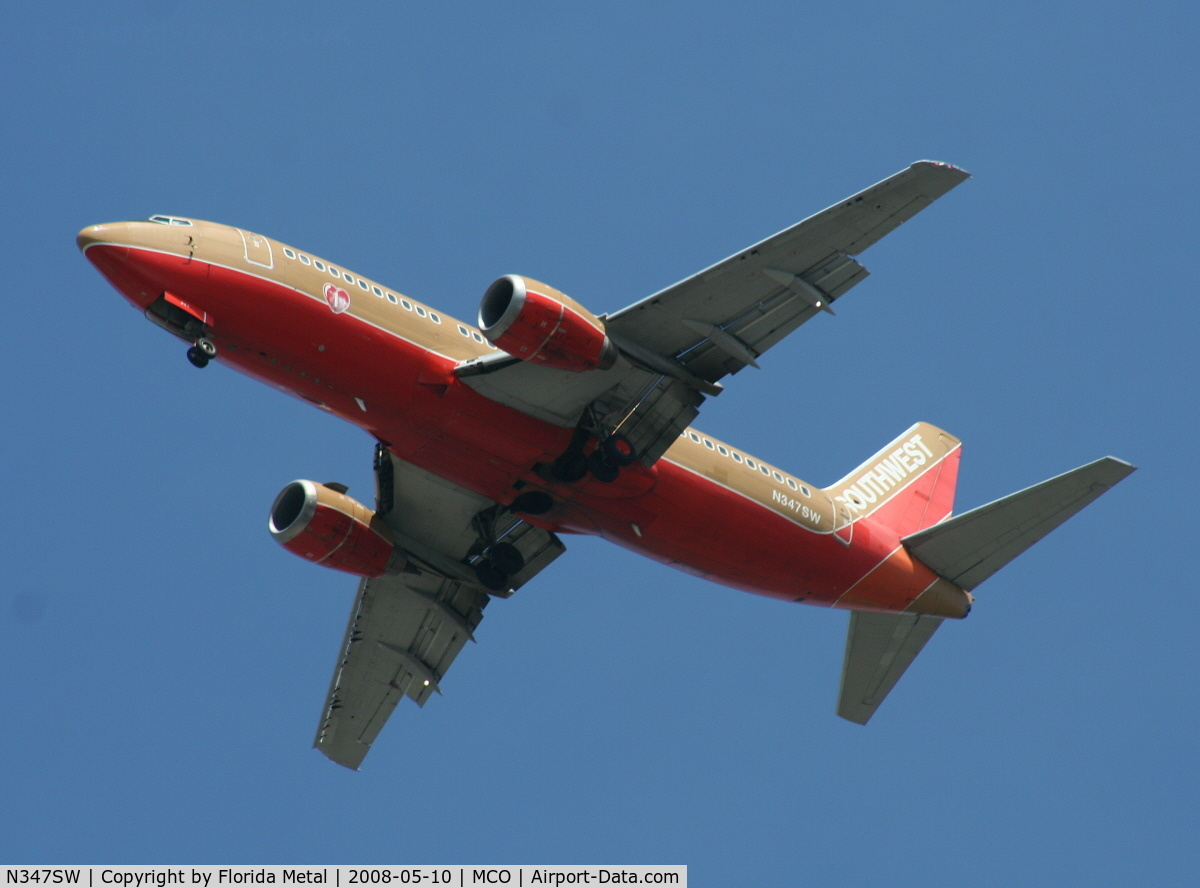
column 879, row 647
column 969, row 548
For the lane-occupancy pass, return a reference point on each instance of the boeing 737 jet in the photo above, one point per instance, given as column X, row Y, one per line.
column 544, row 419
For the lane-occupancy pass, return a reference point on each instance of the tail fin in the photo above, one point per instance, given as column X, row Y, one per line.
column 965, row 550
column 879, row 647
column 907, row 486
column 969, row 548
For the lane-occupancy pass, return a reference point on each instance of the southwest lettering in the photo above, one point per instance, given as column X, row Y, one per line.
column 858, row 494
column 913, row 453
column 887, row 474
column 892, row 466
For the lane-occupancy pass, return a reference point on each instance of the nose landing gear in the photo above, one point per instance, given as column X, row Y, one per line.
column 202, row 352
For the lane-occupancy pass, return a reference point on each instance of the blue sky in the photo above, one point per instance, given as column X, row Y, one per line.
column 165, row 661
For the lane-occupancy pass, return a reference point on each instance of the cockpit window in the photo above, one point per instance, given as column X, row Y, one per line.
column 170, row 220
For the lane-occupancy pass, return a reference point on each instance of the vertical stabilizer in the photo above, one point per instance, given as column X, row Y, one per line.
column 906, row 486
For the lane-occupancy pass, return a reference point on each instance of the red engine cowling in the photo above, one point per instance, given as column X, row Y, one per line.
column 536, row 323
column 326, row 527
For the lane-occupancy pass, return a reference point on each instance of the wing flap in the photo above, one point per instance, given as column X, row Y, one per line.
column 879, row 648
column 969, row 548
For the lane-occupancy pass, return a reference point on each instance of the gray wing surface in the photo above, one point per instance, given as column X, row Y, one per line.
column 406, row 629
column 760, row 294
column 970, row 547
column 679, row 342
column 879, row 648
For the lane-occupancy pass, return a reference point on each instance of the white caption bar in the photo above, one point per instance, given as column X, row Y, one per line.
column 458, row 876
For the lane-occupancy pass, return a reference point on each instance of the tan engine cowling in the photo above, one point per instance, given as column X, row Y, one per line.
column 329, row 528
column 537, row 323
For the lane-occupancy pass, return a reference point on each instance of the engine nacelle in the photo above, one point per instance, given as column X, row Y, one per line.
column 326, row 527
column 536, row 323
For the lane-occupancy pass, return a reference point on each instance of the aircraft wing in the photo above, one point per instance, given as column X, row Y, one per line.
column 682, row 340
column 718, row 320
column 406, row 629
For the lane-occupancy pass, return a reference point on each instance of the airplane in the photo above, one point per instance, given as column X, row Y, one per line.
column 543, row 419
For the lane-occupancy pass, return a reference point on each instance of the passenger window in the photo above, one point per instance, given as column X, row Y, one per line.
column 391, row 298
column 737, row 457
column 433, row 317
column 764, row 470
column 477, row 337
column 319, row 264
column 804, row 490
column 378, row 292
column 778, row 477
column 289, row 253
column 750, row 463
column 721, row 450
column 333, row 271
column 304, row 259
column 407, row 305
column 464, row 331
column 694, row 437
column 708, row 444
column 791, row 483
column 362, row 284
column 420, row 311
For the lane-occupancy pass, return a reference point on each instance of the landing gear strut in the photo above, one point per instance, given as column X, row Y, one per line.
column 202, row 352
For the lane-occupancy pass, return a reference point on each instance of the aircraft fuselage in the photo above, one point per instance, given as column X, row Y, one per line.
column 386, row 363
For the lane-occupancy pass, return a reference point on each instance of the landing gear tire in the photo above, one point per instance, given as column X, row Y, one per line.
column 532, row 502
column 507, row 558
column 197, row 357
column 569, row 468
column 490, row 576
column 206, row 346
column 618, row 450
column 601, row 469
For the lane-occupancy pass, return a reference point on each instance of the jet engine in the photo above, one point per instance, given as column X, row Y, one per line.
column 536, row 323
column 327, row 527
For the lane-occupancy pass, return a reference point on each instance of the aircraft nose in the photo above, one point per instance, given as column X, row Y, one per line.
column 107, row 236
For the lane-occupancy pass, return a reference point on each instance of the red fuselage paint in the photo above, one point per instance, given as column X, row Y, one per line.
column 292, row 340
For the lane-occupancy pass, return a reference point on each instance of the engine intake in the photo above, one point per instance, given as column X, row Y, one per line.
column 537, row 323
column 326, row 527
